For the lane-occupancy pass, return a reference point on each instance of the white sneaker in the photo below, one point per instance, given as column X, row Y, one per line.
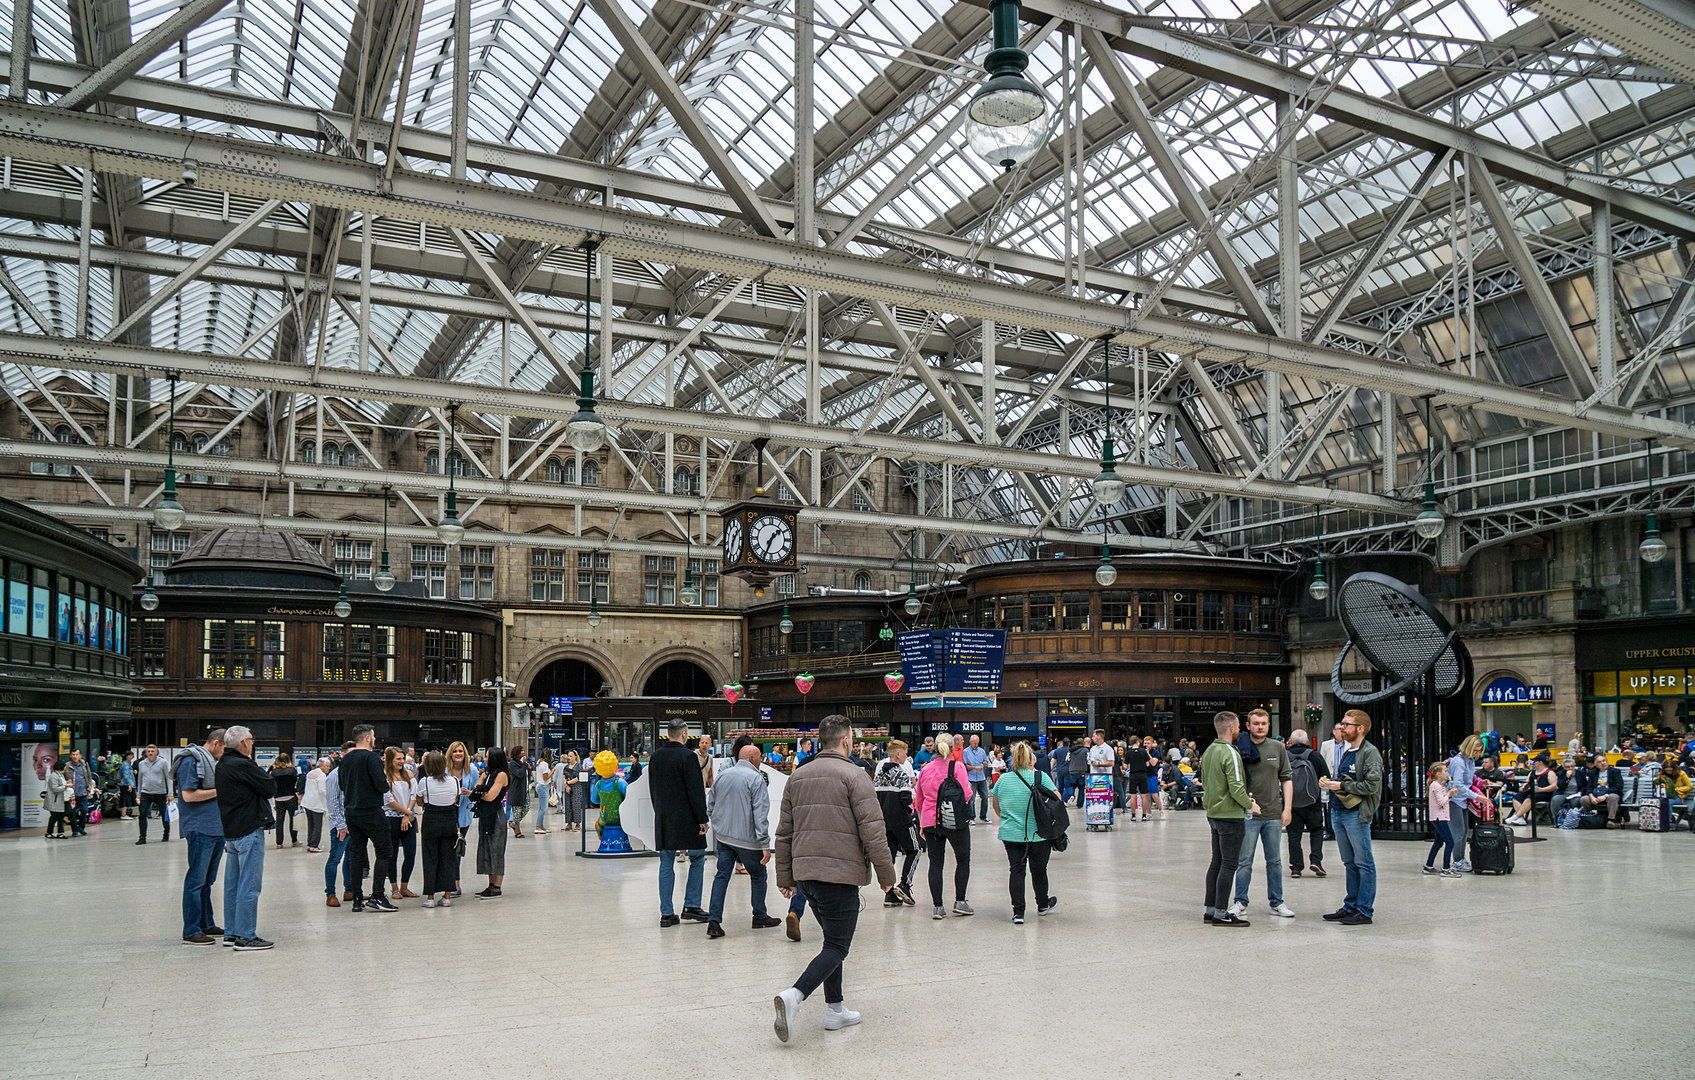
column 839, row 1016
column 1282, row 911
column 1516, row 820
column 445, row 901
column 430, row 901
column 788, row 1009
column 1238, row 909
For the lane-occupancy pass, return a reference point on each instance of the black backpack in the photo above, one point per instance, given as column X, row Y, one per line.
column 953, row 813
column 1047, row 810
column 1305, row 778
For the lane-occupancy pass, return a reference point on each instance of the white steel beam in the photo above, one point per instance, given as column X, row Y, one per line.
column 192, row 270
column 94, row 89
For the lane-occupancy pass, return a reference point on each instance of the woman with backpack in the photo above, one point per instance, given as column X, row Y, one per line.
column 1018, row 830
column 944, row 816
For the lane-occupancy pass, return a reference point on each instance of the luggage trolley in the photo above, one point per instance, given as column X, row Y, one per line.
column 1097, row 802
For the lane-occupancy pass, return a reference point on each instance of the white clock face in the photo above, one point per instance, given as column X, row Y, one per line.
column 771, row 538
column 733, row 540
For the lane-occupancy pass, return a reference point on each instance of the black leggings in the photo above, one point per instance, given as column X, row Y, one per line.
column 402, row 841
column 935, row 844
column 56, row 823
column 1036, row 854
column 440, row 837
column 285, row 814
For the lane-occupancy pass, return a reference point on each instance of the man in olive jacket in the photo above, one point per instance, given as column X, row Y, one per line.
column 1355, row 793
column 679, row 822
column 1224, row 793
column 829, row 832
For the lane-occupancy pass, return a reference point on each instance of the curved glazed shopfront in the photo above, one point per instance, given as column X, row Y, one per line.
column 1175, row 640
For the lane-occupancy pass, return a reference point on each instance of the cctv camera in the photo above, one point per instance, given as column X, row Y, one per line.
column 190, row 174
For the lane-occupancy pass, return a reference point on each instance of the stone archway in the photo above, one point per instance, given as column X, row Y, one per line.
column 588, row 654
column 679, row 678
column 717, row 671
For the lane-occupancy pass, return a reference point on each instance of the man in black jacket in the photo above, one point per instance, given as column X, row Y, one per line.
column 244, row 808
column 364, row 786
column 679, row 822
column 1605, row 785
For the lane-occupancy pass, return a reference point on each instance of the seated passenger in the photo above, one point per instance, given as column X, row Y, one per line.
column 1605, row 787
column 1539, row 787
column 1571, row 784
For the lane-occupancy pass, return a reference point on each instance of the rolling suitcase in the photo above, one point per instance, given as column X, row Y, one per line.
column 1656, row 814
column 1491, row 848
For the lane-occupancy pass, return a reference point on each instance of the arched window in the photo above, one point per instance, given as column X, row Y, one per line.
column 591, row 473
column 199, row 446
column 39, row 468
column 350, row 457
column 63, row 433
column 683, row 481
column 568, row 474
column 432, row 461
column 554, row 473
column 220, row 450
column 309, row 453
column 332, row 454
column 862, row 581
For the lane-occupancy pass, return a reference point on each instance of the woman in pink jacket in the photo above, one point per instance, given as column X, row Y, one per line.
column 936, row 841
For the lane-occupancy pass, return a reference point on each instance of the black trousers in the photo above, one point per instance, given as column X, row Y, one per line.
column 440, row 836
column 314, row 828
column 836, row 907
column 160, row 802
column 402, row 842
column 1036, row 854
column 285, row 814
column 369, row 826
column 1308, row 819
column 1226, row 852
column 935, row 845
column 56, row 823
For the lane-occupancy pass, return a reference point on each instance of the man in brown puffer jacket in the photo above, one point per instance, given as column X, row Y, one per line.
column 830, row 832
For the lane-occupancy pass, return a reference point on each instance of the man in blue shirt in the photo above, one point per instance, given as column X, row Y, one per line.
column 202, row 827
column 126, row 785
column 926, row 753
column 976, row 759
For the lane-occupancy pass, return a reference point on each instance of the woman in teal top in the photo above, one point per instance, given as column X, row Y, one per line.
column 1018, row 830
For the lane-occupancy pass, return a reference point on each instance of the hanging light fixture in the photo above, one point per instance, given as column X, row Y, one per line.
column 1652, row 549
column 149, row 598
column 787, row 626
column 451, row 531
column 1006, row 118
column 342, row 608
column 384, row 578
column 1109, row 486
column 1105, row 573
column 913, row 604
column 1319, row 589
column 586, row 431
column 168, row 514
column 1430, row 523
column 594, row 610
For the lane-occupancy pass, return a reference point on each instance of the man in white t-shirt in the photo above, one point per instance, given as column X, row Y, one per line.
column 1101, row 756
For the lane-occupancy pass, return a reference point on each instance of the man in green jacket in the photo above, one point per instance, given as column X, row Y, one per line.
column 1224, row 793
column 1355, row 793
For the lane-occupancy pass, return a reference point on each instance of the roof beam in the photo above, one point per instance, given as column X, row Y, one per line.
column 694, row 126
column 92, row 90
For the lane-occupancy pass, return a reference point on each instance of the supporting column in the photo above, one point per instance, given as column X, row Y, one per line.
column 1386, row 442
column 506, row 383
column 1606, row 310
column 23, row 43
column 84, row 237
column 461, row 84
column 990, row 406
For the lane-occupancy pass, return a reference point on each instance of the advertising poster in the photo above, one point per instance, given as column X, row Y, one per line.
column 79, row 628
column 38, row 613
column 17, row 610
column 63, row 632
column 94, row 626
column 32, row 802
column 110, row 630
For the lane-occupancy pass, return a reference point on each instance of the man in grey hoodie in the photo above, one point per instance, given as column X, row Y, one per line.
column 739, row 809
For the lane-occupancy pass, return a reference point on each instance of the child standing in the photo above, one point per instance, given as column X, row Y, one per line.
column 1439, row 819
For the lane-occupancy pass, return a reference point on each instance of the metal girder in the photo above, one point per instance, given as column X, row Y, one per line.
column 193, row 269
column 567, row 172
column 40, row 133
column 94, row 89
column 1267, row 78
column 1536, row 290
column 665, row 88
column 1129, row 100
column 271, row 375
column 285, row 472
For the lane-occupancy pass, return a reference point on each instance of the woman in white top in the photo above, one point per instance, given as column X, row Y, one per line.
column 402, row 823
column 438, row 792
column 544, row 778
column 315, row 805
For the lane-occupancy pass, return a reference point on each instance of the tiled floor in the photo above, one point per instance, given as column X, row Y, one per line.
column 1580, row 964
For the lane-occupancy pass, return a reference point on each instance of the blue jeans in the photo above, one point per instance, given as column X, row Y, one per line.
column 1353, row 840
column 242, row 881
column 1270, row 833
column 204, row 855
column 668, row 879
column 541, row 806
column 338, row 858
column 727, row 858
column 82, row 807
column 1067, row 784
column 1444, row 843
column 797, row 906
column 979, row 800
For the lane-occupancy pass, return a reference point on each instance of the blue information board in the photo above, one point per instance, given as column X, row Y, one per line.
column 561, row 705
column 953, row 662
column 921, row 661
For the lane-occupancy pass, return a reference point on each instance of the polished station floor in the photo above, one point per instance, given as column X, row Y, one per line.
column 1580, row 963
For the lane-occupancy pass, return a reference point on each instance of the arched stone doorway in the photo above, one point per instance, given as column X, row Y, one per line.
column 679, row 678
column 568, row 677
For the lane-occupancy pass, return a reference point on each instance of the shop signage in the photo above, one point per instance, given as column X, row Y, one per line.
column 39, row 727
column 1067, row 722
column 953, row 662
column 953, row 701
column 971, row 726
column 1509, row 691
column 1201, row 709
column 1015, row 730
column 862, row 712
column 1669, row 641
column 765, row 714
